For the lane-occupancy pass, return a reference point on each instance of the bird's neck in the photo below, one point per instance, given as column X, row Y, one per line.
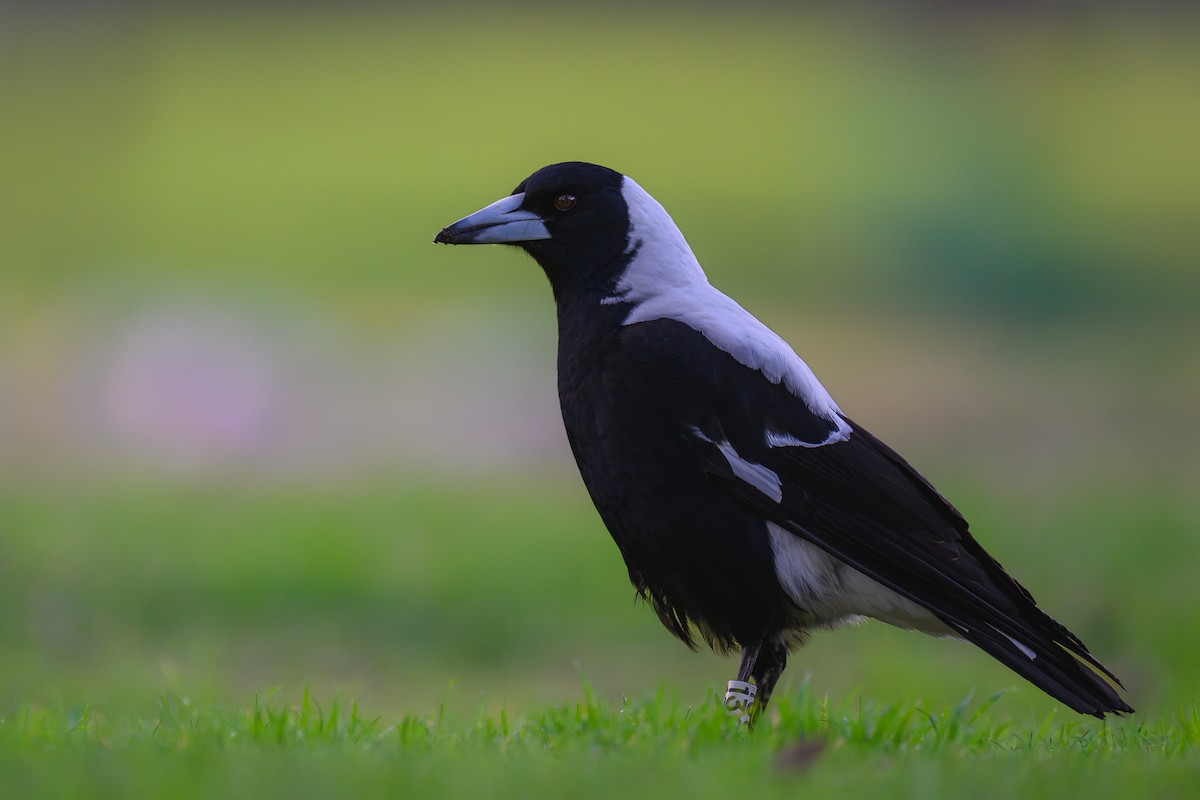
column 659, row 257
column 584, row 317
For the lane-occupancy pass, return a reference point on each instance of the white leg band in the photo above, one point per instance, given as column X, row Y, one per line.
column 738, row 699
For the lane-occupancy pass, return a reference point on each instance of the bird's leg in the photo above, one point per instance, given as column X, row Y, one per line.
column 772, row 658
column 739, row 695
column 764, row 663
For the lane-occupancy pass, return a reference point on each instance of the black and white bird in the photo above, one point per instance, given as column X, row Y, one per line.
column 745, row 503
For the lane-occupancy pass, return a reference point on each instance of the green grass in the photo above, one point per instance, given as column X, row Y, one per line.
column 510, row 589
column 146, row 622
column 589, row 748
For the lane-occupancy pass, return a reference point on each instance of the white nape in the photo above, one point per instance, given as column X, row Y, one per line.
column 665, row 281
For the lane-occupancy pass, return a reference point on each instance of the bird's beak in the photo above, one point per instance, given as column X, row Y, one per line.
column 503, row 222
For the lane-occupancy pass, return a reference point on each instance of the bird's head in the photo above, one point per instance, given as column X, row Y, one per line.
column 581, row 222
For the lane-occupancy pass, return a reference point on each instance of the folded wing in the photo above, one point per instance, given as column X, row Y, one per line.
column 817, row 474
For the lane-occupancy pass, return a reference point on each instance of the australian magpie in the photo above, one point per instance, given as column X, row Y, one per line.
column 745, row 503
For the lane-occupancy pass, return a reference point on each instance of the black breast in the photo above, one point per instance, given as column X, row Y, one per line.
column 698, row 554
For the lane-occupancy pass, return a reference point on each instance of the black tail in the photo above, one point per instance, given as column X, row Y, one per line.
column 1058, row 665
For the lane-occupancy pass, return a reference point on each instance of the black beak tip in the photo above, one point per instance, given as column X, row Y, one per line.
column 444, row 237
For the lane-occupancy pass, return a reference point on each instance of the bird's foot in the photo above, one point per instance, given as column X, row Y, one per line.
column 739, row 698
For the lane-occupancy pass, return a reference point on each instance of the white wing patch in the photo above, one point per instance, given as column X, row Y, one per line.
column 758, row 476
column 839, row 434
column 665, row 281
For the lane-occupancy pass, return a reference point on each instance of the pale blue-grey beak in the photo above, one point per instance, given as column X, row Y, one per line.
column 503, row 222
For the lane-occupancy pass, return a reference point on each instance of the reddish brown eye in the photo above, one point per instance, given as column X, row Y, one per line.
column 564, row 202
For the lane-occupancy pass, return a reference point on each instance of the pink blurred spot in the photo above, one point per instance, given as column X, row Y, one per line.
column 191, row 387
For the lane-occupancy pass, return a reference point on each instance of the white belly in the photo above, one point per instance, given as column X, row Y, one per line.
column 832, row 593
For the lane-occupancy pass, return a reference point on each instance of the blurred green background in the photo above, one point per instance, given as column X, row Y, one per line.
column 257, row 431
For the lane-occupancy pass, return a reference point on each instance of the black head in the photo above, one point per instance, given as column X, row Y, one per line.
column 571, row 217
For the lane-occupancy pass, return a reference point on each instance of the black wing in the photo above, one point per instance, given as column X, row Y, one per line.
column 864, row 504
column 860, row 501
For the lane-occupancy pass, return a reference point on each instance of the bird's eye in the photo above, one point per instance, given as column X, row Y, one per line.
column 564, row 202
